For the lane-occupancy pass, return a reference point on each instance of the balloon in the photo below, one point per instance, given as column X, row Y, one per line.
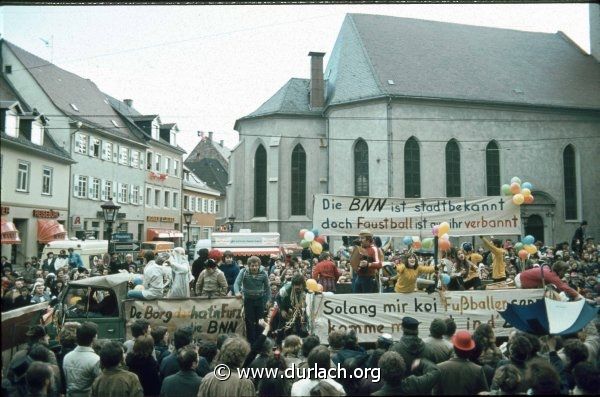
column 304, row 243
column 444, row 228
column 443, row 245
column 428, row 243
column 319, row 288
column 416, row 238
column 518, row 246
column 515, row 188
column 506, row 189
column 525, row 192
column 516, row 180
column 407, row 240
column 445, row 279
column 435, row 230
column 416, row 245
column 527, row 185
column 315, row 232
column 301, row 234
column 518, row 199
column 468, row 247
column 445, row 237
column 476, row 258
column 523, row 254
column 529, row 239
column 528, row 199
column 320, row 239
column 531, row 249
column 309, row 236
column 316, row 247
column 311, row 285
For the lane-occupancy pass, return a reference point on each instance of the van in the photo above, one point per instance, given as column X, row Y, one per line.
column 87, row 249
column 156, row 246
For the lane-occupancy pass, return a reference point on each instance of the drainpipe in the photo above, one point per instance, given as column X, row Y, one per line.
column 389, row 151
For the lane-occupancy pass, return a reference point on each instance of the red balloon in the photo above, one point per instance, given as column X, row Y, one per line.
column 528, row 199
column 301, row 234
column 443, row 245
column 416, row 245
column 321, row 239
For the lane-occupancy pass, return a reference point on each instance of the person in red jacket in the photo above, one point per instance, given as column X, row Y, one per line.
column 532, row 278
column 326, row 272
column 366, row 260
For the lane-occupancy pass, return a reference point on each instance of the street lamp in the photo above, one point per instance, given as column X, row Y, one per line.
column 231, row 219
column 187, row 216
column 110, row 211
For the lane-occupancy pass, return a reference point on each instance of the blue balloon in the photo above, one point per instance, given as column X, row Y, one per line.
column 445, row 279
column 407, row 240
column 528, row 240
column 315, row 232
column 467, row 247
column 527, row 185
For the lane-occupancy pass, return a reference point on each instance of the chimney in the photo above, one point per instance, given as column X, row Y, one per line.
column 594, row 13
column 317, row 86
column 128, row 102
column 210, row 133
column 221, row 143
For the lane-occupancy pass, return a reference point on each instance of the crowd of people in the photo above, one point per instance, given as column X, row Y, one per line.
column 448, row 361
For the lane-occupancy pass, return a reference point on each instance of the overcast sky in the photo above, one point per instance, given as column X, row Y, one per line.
column 203, row 67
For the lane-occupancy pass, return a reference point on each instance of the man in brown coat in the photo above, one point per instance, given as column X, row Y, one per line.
column 459, row 376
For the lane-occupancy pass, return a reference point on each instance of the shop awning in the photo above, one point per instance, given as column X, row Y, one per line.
column 244, row 251
column 50, row 230
column 10, row 234
column 154, row 234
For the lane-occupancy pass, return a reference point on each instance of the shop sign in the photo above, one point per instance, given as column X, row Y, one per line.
column 46, row 214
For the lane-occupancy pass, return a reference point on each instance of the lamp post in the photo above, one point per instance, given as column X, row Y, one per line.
column 110, row 211
column 187, row 216
column 230, row 220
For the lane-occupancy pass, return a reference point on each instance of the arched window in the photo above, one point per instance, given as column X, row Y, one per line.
column 361, row 168
column 570, row 181
column 260, row 182
column 452, row 169
column 412, row 169
column 298, row 181
column 492, row 168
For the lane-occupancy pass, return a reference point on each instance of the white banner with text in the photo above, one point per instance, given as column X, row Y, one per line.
column 370, row 315
column 347, row 215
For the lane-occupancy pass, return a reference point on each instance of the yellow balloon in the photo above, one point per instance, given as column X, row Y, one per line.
column 526, row 192
column 316, row 247
column 518, row 199
column 476, row 258
column 311, row 285
column 531, row 249
column 320, row 288
column 443, row 228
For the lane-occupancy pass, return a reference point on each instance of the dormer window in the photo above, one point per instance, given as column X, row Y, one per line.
column 173, row 138
column 74, row 107
column 155, row 131
column 37, row 133
column 11, row 123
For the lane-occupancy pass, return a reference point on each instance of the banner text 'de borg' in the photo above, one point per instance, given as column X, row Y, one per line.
column 208, row 318
column 347, row 215
column 370, row 315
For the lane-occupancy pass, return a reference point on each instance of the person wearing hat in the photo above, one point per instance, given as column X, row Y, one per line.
column 410, row 346
column 48, row 263
column 366, row 260
column 458, row 375
column 36, row 334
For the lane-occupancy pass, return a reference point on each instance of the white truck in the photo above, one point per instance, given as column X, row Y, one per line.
column 242, row 244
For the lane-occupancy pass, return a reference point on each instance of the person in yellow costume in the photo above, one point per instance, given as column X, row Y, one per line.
column 406, row 279
column 498, row 265
column 469, row 269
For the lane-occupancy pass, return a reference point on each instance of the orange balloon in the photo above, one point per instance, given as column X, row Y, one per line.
column 528, row 199
column 416, row 245
column 523, row 254
column 443, row 245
